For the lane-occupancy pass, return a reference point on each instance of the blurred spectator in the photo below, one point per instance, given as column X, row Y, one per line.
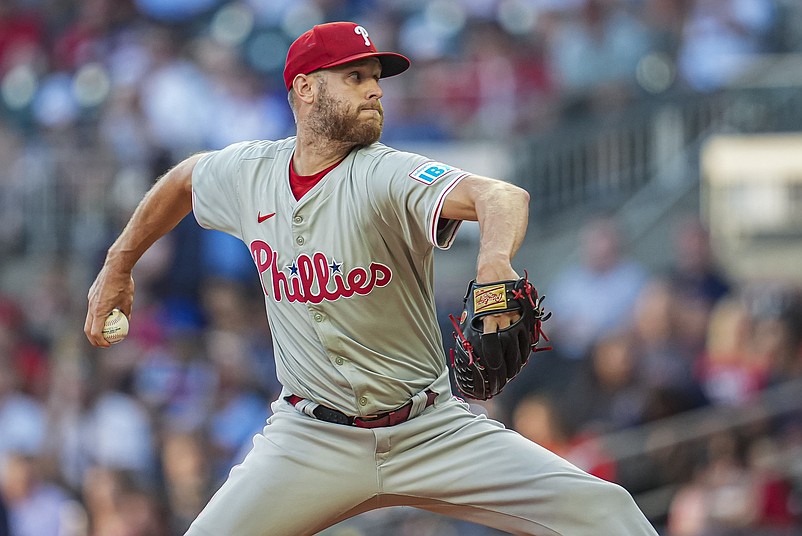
column 124, row 129
column 778, row 507
column 176, row 382
column 24, row 357
column 47, row 312
column 36, row 507
column 22, row 417
column 240, row 410
column 667, row 356
column 665, row 19
column 775, row 310
column 67, row 407
column 117, row 506
column 605, row 394
column 91, row 36
column 241, row 106
column 122, row 433
column 97, row 421
column 731, row 371
column 100, row 490
column 594, row 55
column 231, row 306
column 722, row 499
column 695, row 273
column 719, row 39
column 595, row 296
column 497, row 70
column 175, row 97
column 538, row 418
column 143, row 513
column 187, row 477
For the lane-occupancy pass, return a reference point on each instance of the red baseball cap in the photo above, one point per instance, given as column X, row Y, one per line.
column 336, row 43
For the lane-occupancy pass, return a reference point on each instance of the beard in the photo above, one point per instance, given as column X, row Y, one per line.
column 336, row 120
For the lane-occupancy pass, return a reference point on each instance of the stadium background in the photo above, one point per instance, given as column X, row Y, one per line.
column 659, row 141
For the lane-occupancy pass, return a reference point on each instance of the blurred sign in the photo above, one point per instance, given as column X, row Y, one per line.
column 752, row 199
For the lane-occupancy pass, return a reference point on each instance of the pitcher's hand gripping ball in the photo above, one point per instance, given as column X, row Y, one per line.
column 115, row 329
column 483, row 363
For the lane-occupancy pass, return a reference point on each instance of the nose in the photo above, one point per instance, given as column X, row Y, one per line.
column 374, row 90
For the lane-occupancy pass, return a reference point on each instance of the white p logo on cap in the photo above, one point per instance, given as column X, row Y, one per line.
column 364, row 33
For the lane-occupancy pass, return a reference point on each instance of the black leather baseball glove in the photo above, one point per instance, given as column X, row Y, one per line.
column 484, row 363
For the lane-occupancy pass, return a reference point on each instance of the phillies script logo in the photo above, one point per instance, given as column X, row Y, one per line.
column 489, row 298
column 316, row 278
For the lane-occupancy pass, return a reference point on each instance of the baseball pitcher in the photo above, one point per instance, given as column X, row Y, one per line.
column 342, row 231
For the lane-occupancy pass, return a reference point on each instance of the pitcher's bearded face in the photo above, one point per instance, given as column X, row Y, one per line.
column 338, row 120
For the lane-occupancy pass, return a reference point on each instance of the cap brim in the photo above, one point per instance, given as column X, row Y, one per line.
column 391, row 62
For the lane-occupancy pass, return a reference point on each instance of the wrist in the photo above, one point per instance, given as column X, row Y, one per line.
column 498, row 270
column 119, row 261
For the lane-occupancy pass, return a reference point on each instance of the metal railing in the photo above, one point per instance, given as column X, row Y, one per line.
column 55, row 198
column 600, row 163
column 691, row 429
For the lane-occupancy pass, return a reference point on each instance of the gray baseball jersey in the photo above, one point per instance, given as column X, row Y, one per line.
column 347, row 278
column 346, row 270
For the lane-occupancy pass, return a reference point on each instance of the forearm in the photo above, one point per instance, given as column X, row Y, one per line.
column 166, row 204
column 502, row 210
column 503, row 214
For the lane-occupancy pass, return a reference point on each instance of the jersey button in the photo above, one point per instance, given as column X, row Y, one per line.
column 339, row 360
column 318, row 317
column 298, row 219
column 363, row 401
column 300, row 240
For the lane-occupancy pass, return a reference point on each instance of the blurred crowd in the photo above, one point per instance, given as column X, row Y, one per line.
column 99, row 97
column 154, row 76
column 635, row 347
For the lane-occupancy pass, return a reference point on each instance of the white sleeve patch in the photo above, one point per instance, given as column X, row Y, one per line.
column 430, row 171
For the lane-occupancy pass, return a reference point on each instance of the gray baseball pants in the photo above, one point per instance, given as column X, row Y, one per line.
column 304, row 475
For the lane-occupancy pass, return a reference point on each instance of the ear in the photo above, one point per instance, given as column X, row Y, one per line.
column 303, row 85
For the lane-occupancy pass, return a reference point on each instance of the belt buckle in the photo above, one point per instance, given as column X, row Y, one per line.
column 391, row 417
column 379, row 420
column 372, row 421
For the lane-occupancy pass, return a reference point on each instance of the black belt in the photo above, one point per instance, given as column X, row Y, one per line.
column 391, row 418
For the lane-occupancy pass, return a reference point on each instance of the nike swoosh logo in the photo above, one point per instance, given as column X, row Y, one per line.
column 261, row 218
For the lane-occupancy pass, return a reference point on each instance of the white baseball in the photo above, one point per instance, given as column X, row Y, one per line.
column 116, row 327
